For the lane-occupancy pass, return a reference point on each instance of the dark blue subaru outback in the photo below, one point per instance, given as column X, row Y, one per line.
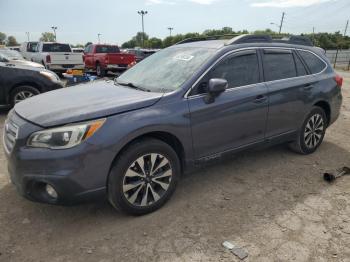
column 131, row 139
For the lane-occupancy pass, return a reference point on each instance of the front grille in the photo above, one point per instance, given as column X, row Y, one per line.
column 10, row 135
column 122, row 65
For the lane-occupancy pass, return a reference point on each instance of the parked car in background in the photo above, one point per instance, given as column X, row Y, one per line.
column 20, row 81
column 141, row 53
column 28, row 49
column 103, row 58
column 190, row 103
column 15, row 48
column 77, row 50
column 57, row 57
column 16, row 58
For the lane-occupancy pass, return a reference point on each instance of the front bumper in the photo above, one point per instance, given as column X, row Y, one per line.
column 77, row 174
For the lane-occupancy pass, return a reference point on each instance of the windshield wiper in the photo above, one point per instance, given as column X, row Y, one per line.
column 134, row 86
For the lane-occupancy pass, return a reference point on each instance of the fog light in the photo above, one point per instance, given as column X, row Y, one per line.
column 51, row 191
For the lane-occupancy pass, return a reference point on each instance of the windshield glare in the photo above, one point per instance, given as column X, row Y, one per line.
column 166, row 70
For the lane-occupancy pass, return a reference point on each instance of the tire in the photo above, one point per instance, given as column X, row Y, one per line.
column 100, row 71
column 126, row 173
column 311, row 133
column 21, row 93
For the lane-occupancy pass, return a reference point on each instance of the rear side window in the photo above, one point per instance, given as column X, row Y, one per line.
column 238, row 70
column 301, row 71
column 56, row 48
column 107, row 49
column 314, row 64
column 278, row 65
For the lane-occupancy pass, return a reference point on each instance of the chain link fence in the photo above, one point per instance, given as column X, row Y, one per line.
column 339, row 58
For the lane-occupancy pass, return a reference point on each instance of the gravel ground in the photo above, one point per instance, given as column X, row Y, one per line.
column 272, row 202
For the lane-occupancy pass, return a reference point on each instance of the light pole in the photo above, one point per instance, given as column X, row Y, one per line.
column 170, row 29
column 54, row 28
column 27, row 33
column 143, row 13
column 98, row 36
column 275, row 25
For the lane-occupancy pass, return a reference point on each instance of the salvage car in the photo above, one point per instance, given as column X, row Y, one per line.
column 104, row 58
column 20, row 81
column 197, row 101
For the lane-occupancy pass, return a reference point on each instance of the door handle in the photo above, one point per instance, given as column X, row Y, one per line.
column 260, row 99
column 308, row 86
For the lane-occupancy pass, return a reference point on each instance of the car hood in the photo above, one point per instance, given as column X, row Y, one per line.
column 27, row 63
column 83, row 102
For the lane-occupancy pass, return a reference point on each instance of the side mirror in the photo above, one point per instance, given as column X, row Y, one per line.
column 215, row 87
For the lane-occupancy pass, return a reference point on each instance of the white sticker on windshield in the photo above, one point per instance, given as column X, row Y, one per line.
column 184, row 57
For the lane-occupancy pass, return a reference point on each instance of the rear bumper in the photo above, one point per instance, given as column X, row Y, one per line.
column 116, row 67
column 64, row 67
column 335, row 107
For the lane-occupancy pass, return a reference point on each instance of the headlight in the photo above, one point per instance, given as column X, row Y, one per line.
column 64, row 137
column 51, row 76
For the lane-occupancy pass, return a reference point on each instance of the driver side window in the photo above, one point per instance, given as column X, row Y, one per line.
column 239, row 69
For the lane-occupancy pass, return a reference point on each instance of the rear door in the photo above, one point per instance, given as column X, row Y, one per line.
column 238, row 116
column 288, row 84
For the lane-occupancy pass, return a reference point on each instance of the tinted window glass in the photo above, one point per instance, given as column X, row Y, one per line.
column 107, row 49
column 313, row 62
column 278, row 65
column 300, row 67
column 56, row 48
column 238, row 70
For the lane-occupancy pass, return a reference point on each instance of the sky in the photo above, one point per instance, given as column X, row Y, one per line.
column 79, row 21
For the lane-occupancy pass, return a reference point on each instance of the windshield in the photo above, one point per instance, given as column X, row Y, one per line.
column 11, row 54
column 166, row 70
column 107, row 49
column 56, row 48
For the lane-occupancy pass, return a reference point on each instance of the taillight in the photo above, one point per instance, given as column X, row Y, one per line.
column 48, row 59
column 339, row 80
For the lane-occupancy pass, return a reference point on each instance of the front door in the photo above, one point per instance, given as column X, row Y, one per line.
column 238, row 116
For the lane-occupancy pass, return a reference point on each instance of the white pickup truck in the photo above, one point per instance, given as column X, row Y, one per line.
column 57, row 57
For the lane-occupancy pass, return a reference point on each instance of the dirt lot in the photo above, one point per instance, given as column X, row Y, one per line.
column 272, row 202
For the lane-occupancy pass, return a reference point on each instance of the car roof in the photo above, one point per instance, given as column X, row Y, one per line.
column 223, row 45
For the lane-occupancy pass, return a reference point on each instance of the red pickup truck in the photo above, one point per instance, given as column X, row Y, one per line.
column 103, row 58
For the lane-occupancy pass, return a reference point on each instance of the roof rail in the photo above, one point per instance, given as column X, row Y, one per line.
column 249, row 38
column 206, row 38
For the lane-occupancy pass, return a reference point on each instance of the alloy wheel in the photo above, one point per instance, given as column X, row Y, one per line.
column 20, row 96
column 147, row 179
column 314, row 131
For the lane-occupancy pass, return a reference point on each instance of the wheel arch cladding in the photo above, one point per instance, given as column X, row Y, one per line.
column 163, row 136
column 326, row 108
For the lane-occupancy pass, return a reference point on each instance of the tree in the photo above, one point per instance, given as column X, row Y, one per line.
column 130, row 44
column 139, row 37
column 2, row 37
column 154, row 43
column 11, row 41
column 47, row 37
column 88, row 43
